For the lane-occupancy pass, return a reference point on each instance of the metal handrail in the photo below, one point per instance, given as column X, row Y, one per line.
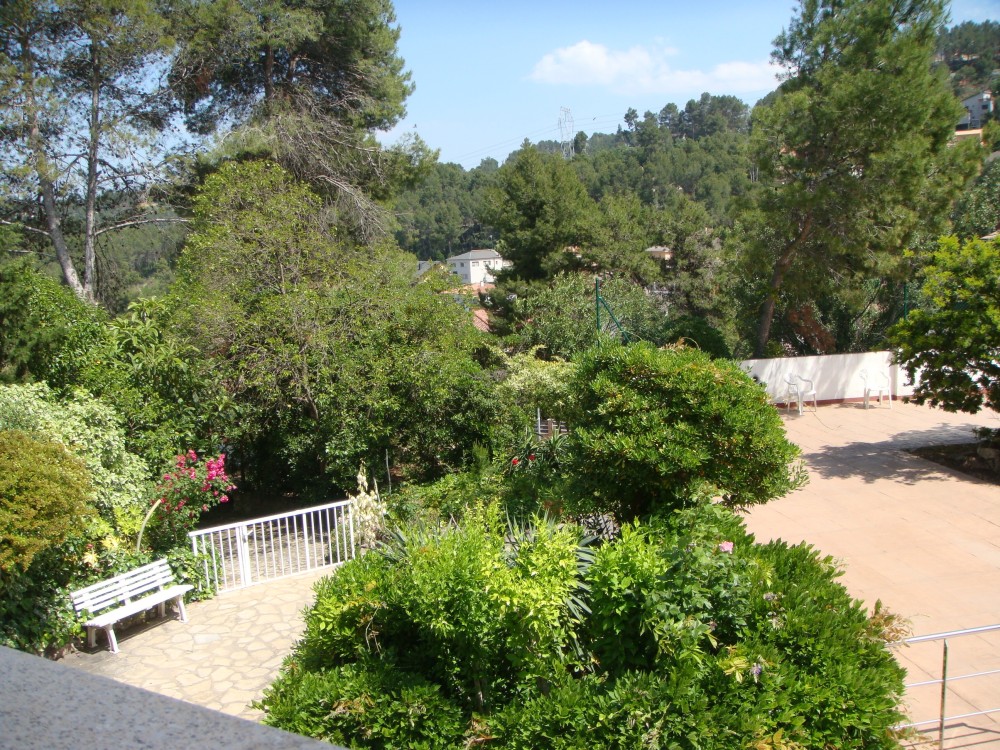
column 282, row 544
column 943, row 681
column 275, row 517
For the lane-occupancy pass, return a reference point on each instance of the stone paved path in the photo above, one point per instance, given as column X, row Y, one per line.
column 923, row 539
column 225, row 655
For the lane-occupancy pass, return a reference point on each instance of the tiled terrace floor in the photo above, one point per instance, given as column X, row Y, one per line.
column 225, row 655
column 923, row 539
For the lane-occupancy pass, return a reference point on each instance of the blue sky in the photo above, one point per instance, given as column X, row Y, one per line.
column 490, row 74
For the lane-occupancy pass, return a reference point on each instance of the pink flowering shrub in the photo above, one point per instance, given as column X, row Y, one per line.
column 183, row 494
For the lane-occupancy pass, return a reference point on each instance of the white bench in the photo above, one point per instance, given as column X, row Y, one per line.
column 127, row 594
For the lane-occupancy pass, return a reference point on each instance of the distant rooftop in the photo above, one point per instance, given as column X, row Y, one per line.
column 482, row 254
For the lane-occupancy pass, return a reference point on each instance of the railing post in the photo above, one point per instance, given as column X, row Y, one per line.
column 306, row 526
column 243, row 556
column 944, row 692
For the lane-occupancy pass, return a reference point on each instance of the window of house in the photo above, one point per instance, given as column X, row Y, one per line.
column 475, row 264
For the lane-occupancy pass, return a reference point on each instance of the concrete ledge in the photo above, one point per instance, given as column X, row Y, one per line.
column 45, row 705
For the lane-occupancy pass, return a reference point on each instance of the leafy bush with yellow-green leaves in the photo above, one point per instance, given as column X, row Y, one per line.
column 680, row 633
column 91, row 430
column 44, row 497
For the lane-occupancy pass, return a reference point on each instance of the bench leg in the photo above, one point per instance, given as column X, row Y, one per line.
column 161, row 609
column 112, row 641
column 180, row 608
column 91, row 637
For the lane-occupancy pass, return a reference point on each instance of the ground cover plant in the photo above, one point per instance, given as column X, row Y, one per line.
column 680, row 633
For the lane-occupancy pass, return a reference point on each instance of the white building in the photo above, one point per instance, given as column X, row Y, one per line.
column 477, row 266
column 977, row 107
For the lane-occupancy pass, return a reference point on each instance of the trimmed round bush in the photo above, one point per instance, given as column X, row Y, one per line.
column 654, row 430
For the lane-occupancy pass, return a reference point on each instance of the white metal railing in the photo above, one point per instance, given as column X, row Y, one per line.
column 943, row 718
column 246, row 552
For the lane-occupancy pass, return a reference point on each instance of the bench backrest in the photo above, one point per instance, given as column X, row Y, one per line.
column 123, row 588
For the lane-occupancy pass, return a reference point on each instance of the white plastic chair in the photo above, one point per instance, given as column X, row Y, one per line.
column 799, row 389
column 879, row 382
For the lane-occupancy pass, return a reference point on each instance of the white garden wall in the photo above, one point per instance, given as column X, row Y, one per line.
column 837, row 377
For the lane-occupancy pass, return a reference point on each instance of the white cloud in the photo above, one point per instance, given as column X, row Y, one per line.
column 642, row 70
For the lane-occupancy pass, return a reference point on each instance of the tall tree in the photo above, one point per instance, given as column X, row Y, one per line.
column 304, row 82
column 82, row 114
column 854, row 147
column 336, row 57
column 332, row 353
column 541, row 209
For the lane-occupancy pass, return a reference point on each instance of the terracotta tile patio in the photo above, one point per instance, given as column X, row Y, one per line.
column 923, row 539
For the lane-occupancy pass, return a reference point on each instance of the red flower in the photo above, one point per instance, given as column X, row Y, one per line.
column 531, row 457
column 515, row 461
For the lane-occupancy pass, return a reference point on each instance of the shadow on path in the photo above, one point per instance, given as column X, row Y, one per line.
column 889, row 459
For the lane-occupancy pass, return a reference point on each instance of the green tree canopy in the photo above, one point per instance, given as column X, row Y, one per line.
column 977, row 212
column 45, row 331
column 853, row 149
column 950, row 347
column 337, row 57
column 304, row 83
column 561, row 316
column 971, row 51
column 542, row 213
column 83, row 105
column 332, row 352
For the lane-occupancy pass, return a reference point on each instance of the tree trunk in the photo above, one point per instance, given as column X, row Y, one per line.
column 781, row 266
column 46, row 184
column 90, row 218
column 59, row 240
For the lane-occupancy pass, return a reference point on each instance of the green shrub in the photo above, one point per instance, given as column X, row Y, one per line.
column 159, row 384
column 560, row 316
column 532, row 478
column 367, row 706
column 36, row 614
column 92, row 431
column 476, row 611
column 445, row 498
column 43, row 517
column 44, row 494
column 654, row 430
column 679, row 634
column 45, row 329
column 698, row 333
